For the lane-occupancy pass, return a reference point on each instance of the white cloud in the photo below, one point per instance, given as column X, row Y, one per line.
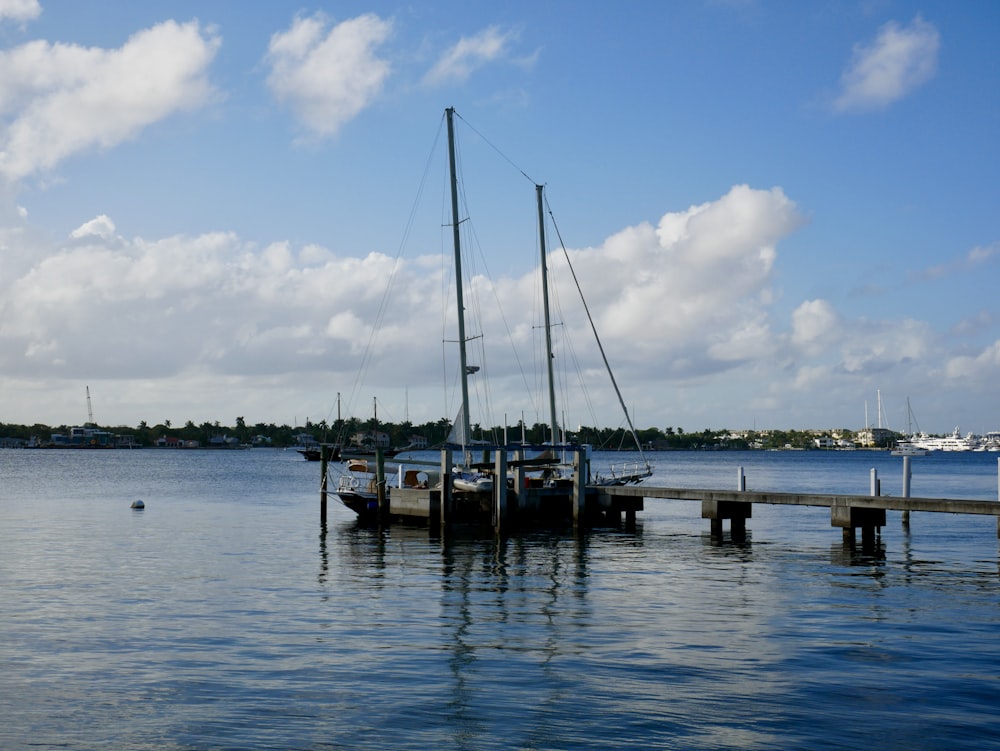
column 683, row 307
column 59, row 100
column 20, row 10
column 696, row 288
column 328, row 77
column 877, row 346
column 469, row 54
column 687, row 300
column 980, row 254
column 983, row 368
column 976, row 257
column 100, row 226
column 111, row 306
column 814, row 322
column 898, row 61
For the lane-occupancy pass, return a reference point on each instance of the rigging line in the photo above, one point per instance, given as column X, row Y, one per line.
column 474, row 243
column 593, row 327
column 384, row 302
column 524, row 174
column 471, row 243
column 493, row 146
column 573, row 358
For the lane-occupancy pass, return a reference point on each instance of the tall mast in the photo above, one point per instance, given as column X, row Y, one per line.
column 463, row 360
column 553, row 425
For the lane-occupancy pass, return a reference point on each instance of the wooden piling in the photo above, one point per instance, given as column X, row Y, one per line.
column 324, row 464
column 500, row 491
column 906, row 488
column 380, row 487
column 520, row 481
column 446, row 495
column 579, row 490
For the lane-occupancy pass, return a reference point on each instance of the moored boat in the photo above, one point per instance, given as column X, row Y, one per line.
column 477, row 481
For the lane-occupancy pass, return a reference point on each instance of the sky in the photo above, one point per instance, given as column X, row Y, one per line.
column 781, row 215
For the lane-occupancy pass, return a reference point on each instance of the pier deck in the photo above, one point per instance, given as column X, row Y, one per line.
column 848, row 512
column 520, row 499
column 882, row 502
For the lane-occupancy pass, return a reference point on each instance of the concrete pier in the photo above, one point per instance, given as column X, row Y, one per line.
column 847, row 512
column 530, row 492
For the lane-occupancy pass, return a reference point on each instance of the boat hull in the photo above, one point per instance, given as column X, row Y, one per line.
column 362, row 504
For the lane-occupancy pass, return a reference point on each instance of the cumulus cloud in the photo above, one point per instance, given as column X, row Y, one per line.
column 900, row 59
column 109, row 306
column 678, row 304
column 469, row 54
column 328, row 75
column 692, row 292
column 983, row 368
column 695, row 289
column 20, row 10
column 814, row 322
column 57, row 100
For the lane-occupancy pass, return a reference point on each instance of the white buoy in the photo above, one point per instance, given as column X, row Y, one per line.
column 138, row 504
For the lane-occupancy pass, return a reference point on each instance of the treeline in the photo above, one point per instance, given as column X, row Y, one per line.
column 436, row 433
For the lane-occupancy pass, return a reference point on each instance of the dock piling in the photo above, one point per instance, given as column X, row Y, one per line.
column 380, row 487
column 579, row 490
column 324, row 464
column 906, row 488
column 500, row 491
column 446, row 497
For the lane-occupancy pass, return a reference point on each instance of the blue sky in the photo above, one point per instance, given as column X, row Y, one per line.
column 776, row 211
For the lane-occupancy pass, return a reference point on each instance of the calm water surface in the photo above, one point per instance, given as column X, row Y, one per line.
column 224, row 617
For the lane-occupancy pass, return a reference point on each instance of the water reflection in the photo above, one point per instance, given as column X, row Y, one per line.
column 218, row 620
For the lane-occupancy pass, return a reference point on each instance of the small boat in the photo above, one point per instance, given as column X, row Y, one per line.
column 904, row 448
column 357, row 487
column 471, row 482
column 315, row 453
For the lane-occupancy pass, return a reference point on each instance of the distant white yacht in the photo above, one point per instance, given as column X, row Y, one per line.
column 953, row 442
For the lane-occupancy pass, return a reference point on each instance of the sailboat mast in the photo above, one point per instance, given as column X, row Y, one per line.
column 553, row 425
column 463, row 360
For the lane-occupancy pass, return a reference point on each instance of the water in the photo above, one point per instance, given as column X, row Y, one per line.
column 223, row 617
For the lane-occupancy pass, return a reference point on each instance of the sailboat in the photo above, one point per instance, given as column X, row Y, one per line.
column 553, row 468
column 909, row 447
column 467, row 476
column 621, row 475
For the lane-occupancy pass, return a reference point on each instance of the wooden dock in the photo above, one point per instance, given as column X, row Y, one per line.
column 522, row 502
